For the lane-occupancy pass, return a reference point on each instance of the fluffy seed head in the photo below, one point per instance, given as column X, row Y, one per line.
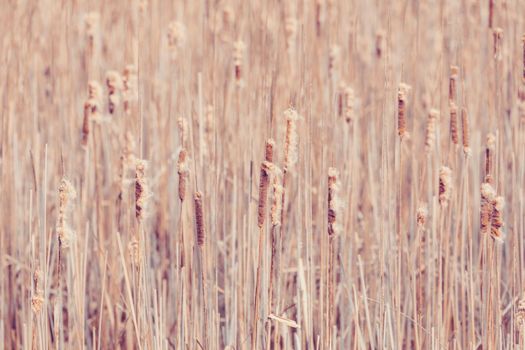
column 141, row 189
column 445, row 185
column 430, row 135
column 268, row 150
column 277, row 198
column 182, row 170
column 291, row 140
column 334, row 204
column 421, row 216
column 402, row 92
column 520, row 313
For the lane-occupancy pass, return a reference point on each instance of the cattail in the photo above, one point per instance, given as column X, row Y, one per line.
column 176, row 37
column 66, row 194
column 497, row 219
column 290, row 144
column 91, row 25
column 91, row 108
column 520, row 313
column 318, row 16
column 182, row 123
column 465, row 131
column 487, row 201
column 452, row 88
column 268, row 150
column 129, row 86
column 333, row 201
column 182, row 170
column 290, row 30
column 491, row 13
column 341, row 98
column 454, row 123
column 199, row 219
column 380, row 43
column 264, row 182
column 114, row 83
column 430, row 135
column 141, row 189
column 523, row 43
column 421, row 216
column 401, row 108
column 445, row 185
column 489, row 156
column 37, row 301
column 238, row 55
column 497, row 35
column 276, row 202
column 349, row 104
column 333, row 60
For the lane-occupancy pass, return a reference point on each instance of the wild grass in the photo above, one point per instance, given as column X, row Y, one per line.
column 232, row 174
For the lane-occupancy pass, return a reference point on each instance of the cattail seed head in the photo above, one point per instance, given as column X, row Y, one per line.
column 276, row 202
column 445, row 185
column 37, row 301
column 182, row 123
column 141, row 189
column 182, row 170
column 465, row 131
column 129, row 87
column 430, row 135
column 497, row 35
column 487, row 202
column 349, row 104
column 401, row 108
column 523, row 58
column 497, row 219
column 489, row 156
column 91, row 27
column 491, row 13
column 454, row 123
column 238, row 56
column 380, row 43
column 520, row 313
column 334, row 204
column 114, row 84
column 268, row 150
column 291, row 139
column 421, row 216
column 66, row 194
column 333, row 60
column 264, row 182
column 341, row 98
column 199, row 219
column 290, row 30
column 176, row 38
column 452, row 88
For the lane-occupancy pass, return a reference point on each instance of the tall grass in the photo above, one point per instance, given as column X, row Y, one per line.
column 232, row 174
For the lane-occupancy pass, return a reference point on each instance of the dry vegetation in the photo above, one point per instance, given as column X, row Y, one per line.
column 262, row 174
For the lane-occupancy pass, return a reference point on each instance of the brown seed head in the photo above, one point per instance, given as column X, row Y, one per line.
column 445, row 185
column 452, row 89
column 199, row 219
column 264, row 182
column 465, row 131
column 454, row 123
column 182, row 170
column 401, row 108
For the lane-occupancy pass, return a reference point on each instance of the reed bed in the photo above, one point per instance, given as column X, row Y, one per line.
column 232, row 174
